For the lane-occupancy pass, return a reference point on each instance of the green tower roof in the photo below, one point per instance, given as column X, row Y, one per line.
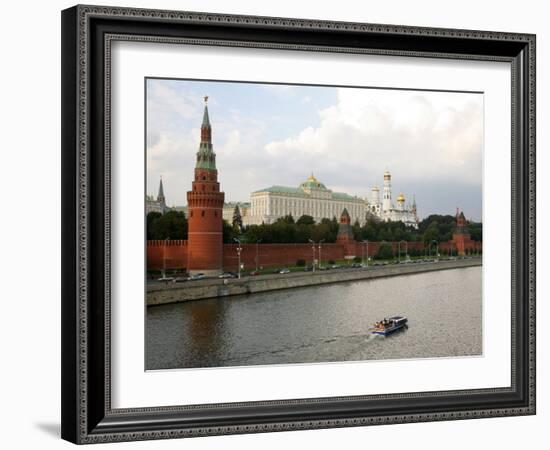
column 205, row 118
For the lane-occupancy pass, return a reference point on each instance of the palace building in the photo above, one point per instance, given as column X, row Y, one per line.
column 311, row 198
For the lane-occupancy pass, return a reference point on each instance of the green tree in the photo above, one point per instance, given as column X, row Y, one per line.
column 305, row 220
column 152, row 217
column 356, row 230
column 385, row 251
column 431, row 233
column 476, row 230
column 288, row 219
column 237, row 219
column 172, row 224
column 228, row 232
column 303, row 232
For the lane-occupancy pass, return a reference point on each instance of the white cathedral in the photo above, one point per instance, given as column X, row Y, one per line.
column 386, row 210
column 314, row 199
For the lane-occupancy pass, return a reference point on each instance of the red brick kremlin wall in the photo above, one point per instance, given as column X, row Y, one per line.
column 175, row 253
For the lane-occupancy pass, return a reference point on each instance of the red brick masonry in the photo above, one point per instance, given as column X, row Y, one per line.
column 174, row 253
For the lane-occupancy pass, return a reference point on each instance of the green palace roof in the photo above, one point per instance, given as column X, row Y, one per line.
column 309, row 184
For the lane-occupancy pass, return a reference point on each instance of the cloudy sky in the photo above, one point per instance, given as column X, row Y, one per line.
column 431, row 142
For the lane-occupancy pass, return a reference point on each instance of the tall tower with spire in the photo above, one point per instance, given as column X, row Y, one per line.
column 205, row 208
column 386, row 201
column 161, row 199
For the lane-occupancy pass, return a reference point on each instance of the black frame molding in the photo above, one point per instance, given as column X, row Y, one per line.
column 87, row 32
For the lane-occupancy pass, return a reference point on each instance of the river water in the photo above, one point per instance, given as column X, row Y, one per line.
column 322, row 323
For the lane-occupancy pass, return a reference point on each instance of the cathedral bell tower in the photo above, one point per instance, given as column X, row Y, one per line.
column 386, row 202
column 205, row 207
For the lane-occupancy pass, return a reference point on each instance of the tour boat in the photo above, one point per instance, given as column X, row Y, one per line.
column 389, row 326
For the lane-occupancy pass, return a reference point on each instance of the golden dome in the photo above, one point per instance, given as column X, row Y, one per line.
column 312, row 178
column 375, row 188
column 401, row 198
column 313, row 183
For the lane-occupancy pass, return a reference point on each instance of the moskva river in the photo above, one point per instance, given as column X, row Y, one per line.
column 322, row 323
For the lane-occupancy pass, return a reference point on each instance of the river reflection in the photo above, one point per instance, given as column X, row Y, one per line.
column 322, row 323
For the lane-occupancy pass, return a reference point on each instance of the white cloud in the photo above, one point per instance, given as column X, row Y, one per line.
column 433, row 136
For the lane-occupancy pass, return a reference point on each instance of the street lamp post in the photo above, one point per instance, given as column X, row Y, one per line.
column 399, row 249
column 313, row 250
column 436, row 249
column 320, row 258
column 363, row 253
column 406, row 249
column 239, row 249
column 164, row 257
column 258, row 254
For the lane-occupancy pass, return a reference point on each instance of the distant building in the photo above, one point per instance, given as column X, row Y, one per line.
column 386, row 210
column 311, row 198
column 158, row 204
column 229, row 210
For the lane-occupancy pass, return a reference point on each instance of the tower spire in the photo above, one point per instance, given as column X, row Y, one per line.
column 206, row 158
column 205, row 117
column 161, row 190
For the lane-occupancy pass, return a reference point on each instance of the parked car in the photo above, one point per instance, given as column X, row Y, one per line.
column 284, row 270
column 197, row 276
column 166, row 279
column 227, row 275
column 181, row 279
column 254, row 273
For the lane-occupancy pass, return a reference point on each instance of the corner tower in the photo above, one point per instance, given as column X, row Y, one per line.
column 461, row 237
column 205, row 208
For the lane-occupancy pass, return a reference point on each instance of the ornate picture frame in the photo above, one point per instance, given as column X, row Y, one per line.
column 88, row 33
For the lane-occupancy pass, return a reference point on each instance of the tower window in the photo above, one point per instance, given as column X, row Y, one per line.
column 202, row 213
column 191, row 214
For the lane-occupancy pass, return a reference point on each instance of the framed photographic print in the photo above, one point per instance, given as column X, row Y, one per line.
column 279, row 224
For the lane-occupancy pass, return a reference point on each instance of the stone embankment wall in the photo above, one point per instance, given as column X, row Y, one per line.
column 158, row 294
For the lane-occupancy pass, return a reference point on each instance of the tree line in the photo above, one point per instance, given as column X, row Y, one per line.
column 173, row 225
